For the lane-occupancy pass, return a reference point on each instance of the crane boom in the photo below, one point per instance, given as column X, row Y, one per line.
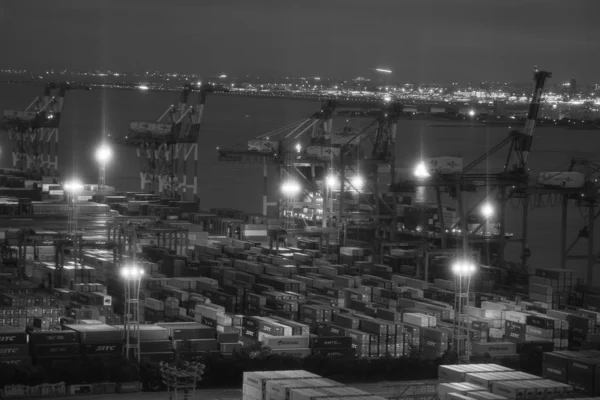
column 533, row 113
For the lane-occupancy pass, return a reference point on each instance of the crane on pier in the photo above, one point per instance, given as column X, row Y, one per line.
column 315, row 160
column 513, row 176
column 166, row 147
column 34, row 130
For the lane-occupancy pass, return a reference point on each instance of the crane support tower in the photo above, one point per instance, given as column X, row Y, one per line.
column 168, row 148
column 34, row 131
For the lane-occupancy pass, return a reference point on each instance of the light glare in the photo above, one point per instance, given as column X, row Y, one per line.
column 103, row 154
column 487, row 210
column 73, row 186
column 290, row 188
column 421, row 171
column 331, row 181
column 463, row 268
column 358, row 182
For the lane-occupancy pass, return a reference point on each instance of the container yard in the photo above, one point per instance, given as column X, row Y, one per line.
column 346, row 268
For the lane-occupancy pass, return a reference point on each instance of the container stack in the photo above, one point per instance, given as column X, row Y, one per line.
column 581, row 369
column 296, row 385
column 292, row 345
column 493, row 382
column 13, row 347
column 50, row 347
column 23, row 309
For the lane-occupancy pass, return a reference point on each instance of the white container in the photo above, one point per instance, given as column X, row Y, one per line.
column 457, row 396
column 323, row 153
column 263, row 146
column 287, row 342
column 461, row 388
column 13, row 115
column 494, row 348
column 420, row 320
column 486, row 396
column 515, row 316
column 152, row 128
column 280, row 390
column 444, row 165
column 562, row 179
column 456, row 373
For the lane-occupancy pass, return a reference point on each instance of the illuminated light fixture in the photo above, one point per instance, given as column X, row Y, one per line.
column 387, row 99
column 487, row 210
column 331, row 180
column 73, row 186
column 143, row 87
column 463, row 268
column 421, row 171
column 383, row 70
column 132, row 272
column 290, row 188
column 298, row 147
column 471, row 113
column 103, row 154
column 358, row 182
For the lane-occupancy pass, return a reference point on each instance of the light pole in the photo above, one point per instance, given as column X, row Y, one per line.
column 462, row 269
column 103, row 156
column 290, row 189
column 72, row 188
column 132, row 278
column 487, row 212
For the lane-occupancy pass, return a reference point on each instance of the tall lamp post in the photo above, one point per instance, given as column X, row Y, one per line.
column 462, row 269
column 132, row 278
column 103, row 156
column 290, row 189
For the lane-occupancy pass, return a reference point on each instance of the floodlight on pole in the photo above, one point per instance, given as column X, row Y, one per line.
column 358, row 182
column 291, row 188
column 487, row 210
column 132, row 277
column 73, row 186
column 463, row 270
column 421, row 171
column 331, row 181
column 103, row 156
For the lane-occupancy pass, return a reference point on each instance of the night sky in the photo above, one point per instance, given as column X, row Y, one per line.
column 421, row 40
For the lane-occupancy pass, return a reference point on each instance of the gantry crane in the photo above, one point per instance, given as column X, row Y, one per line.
column 511, row 177
column 310, row 158
column 286, row 148
column 166, row 147
column 35, row 130
column 381, row 157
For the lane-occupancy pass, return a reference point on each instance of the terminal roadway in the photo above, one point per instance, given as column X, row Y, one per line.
column 385, row 389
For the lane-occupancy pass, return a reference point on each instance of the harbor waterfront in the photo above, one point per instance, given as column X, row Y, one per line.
column 232, row 120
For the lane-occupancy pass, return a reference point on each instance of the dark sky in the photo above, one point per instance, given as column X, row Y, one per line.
column 422, row 40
